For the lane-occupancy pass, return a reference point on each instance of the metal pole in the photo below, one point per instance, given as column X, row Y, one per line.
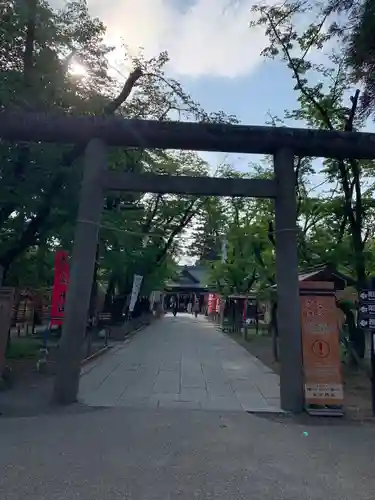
column 372, row 333
column 84, row 253
column 372, row 344
column 288, row 308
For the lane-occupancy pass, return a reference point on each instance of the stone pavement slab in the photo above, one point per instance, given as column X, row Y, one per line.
column 182, row 362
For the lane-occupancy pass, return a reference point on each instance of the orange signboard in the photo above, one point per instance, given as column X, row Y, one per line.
column 321, row 345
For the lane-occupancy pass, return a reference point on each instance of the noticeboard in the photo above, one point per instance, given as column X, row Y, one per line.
column 321, row 349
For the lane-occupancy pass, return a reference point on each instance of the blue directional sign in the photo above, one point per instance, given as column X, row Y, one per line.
column 367, row 296
column 366, row 309
column 366, row 320
column 367, row 323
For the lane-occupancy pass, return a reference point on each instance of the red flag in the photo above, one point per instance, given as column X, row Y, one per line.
column 60, row 287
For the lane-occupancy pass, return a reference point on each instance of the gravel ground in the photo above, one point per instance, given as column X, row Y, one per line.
column 149, row 454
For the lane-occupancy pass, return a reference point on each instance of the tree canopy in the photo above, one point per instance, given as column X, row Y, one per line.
column 335, row 216
column 56, row 61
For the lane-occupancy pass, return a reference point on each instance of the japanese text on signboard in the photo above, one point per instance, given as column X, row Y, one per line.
column 321, row 353
column 60, row 287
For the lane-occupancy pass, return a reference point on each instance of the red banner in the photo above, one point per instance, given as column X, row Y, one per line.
column 209, row 303
column 212, row 301
column 60, row 287
column 218, row 304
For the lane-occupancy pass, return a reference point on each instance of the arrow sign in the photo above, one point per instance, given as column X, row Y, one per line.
column 367, row 323
column 367, row 295
column 367, row 309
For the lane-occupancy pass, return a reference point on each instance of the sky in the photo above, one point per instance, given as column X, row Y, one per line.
column 213, row 53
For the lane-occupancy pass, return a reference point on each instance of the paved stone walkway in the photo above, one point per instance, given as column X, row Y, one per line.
column 182, row 362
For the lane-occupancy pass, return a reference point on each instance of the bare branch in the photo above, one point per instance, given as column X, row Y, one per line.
column 186, row 218
column 125, row 92
column 349, row 121
column 147, row 226
column 271, row 233
column 295, row 69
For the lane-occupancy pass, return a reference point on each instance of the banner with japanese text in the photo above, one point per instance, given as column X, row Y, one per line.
column 209, row 303
column 137, row 281
column 212, row 300
column 321, row 345
column 218, row 304
column 60, row 287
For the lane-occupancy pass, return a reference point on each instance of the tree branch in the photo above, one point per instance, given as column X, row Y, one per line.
column 186, row 218
column 250, row 281
column 295, row 69
column 34, row 227
column 147, row 226
column 271, row 234
column 258, row 255
column 299, row 199
column 350, row 120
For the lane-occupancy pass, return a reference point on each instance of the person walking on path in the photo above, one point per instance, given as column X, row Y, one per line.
column 196, row 308
column 174, row 307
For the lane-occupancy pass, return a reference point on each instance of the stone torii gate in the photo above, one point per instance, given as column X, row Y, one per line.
column 97, row 133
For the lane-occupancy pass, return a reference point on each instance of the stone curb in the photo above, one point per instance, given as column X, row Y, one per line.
column 105, row 349
column 96, row 354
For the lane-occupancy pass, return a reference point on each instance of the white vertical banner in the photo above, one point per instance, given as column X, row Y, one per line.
column 224, row 250
column 152, row 300
column 155, row 298
column 137, row 280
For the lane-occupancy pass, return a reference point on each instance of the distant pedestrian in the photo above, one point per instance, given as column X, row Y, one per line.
column 190, row 307
column 174, row 307
column 196, row 308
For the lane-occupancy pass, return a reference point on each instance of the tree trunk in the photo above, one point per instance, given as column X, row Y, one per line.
column 117, row 308
column 352, row 342
column 275, row 333
column 108, row 299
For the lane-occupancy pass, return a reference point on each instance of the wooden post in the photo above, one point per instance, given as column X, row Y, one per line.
column 288, row 302
column 84, row 253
